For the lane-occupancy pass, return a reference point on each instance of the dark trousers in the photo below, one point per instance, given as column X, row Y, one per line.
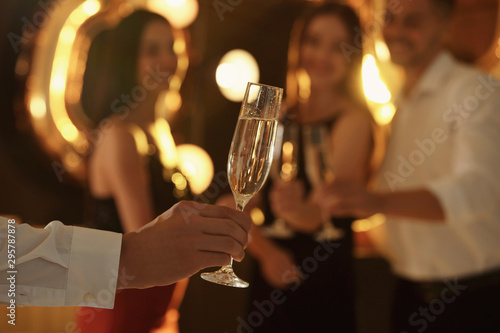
column 454, row 306
column 323, row 303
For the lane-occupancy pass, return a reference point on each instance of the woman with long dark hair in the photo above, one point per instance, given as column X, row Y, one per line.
column 127, row 68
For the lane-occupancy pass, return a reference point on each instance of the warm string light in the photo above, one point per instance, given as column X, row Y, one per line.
column 60, row 67
column 47, row 89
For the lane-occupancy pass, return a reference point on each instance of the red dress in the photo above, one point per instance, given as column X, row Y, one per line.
column 135, row 311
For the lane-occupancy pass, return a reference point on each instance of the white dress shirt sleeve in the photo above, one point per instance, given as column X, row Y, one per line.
column 472, row 191
column 58, row 265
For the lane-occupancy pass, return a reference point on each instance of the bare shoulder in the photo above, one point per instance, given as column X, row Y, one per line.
column 113, row 154
column 354, row 122
column 117, row 147
column 118, row 140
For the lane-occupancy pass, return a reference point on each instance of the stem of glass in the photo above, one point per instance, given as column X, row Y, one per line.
column 240, row 205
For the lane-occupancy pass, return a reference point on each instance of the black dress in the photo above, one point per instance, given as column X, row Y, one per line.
column 324, row 301
column 135, row 310
column 104, row 213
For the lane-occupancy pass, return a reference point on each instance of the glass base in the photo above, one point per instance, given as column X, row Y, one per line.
column 226, row 277
column 278, row 230
column 329, row 233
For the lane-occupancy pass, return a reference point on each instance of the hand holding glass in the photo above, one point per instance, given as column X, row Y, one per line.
column 250, row 157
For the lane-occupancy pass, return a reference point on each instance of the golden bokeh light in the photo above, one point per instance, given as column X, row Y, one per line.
column 162, row 135
column 375, row 89
column 179, row 180
column 60, row 68
column 140, row 138
column 287, row 149
column 384, row 113
column 224, row 76
column 304, row 82
column 173, row 100
column 37, row 107
column 257, row 216
column 382, row 51
column 58, row 80
column 67, row 34
column 179, row 46
column 180, row 13
column 236, row 68
column 91, row 7
column 176, row 3
column 197, row 166
column 67, row 129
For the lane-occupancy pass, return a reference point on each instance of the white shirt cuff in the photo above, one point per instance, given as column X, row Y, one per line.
column 93, row 268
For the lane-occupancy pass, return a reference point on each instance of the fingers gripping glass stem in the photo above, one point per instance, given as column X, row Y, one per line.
column 225, row 275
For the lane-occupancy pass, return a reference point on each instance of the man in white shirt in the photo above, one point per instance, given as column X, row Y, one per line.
column 439, row 183
column 65, row 265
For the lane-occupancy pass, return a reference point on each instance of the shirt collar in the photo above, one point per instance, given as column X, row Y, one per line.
column 431, row 80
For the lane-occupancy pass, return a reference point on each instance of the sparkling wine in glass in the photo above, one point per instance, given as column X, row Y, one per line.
column 284, row 169
column 319, row 170
column 250, row 157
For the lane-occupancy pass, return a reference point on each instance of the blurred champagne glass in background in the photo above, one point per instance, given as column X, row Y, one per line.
column 319, row 170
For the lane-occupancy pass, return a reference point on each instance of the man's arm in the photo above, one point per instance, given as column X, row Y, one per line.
column 352, row 199
column 64, row 265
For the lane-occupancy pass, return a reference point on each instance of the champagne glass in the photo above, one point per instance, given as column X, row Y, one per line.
column 319, row 170
column 284, row 168
column 250, row 157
